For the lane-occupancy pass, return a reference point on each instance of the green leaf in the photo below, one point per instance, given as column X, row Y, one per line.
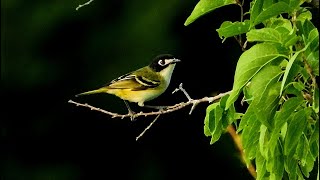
column 306, row 15
column 255, row 10
column 266, row 108
column 265, row 93
column 285, row 111
column 280, row 22
column 304, row 29
column 229, row 116
column 273, row 10
column 260, row 166
column 209, row 122
column 263, row 139
column 247, row 93
column 249, row 114
column 295, row 129
column 264, row 35
column 313, row 61
column 288, row 68
column 291, row 40
column 290, row 89
column 314, row 141
column 313, row 39
column 291, row 166
column 205, row 6
column 283, row 131
column 275, row 164
column 298, row 85
column 295, row 70
column 302, row 149
column 250, row 133
column 294, row 5
column 307, row 168
column 250, row 62
column 217, row 119
column 230, row 29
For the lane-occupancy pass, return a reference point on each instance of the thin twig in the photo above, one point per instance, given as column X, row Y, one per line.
column 81, row 5
column 180, row 88
column 147, row 128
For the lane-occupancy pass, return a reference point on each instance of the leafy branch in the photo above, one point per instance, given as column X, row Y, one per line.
column 277, row 77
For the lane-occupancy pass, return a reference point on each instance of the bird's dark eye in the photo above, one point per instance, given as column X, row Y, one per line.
column 161, row 62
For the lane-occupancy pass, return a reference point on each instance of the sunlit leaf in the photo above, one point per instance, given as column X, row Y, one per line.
column 298, row 85
column 271, row 11
column 295, row 129
column 306, row 15
column 230, row 29
column 265, row 93
column 205, row 6
column 307, row 168
column 291, row 166
column 250, row 62
column 255, row 10
column 263, row 139
column 288, row 68
column 250, row 134
column 217, row 119
column 260, row 166
column 246, row 118
column 302, row 150
column 264, row 35
column 209, row 122
column 280, row 23
column 275, row 164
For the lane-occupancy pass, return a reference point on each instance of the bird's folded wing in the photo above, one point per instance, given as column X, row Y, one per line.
column 133, row 82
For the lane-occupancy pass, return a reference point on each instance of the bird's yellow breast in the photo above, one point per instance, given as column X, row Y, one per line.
column 136, row 96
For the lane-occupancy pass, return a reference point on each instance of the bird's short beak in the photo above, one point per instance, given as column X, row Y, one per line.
column 174, row 61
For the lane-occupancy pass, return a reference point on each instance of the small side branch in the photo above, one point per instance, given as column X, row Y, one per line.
column 147, row 128
column 81, row 5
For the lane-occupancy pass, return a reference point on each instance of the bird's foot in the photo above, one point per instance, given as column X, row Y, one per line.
column 132, row 115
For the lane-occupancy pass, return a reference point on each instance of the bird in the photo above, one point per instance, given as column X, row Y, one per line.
column 142, row 85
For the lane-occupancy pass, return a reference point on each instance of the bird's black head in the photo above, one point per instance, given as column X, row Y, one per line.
column 162, row 61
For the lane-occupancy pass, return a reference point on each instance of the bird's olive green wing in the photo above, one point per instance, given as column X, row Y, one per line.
column 134, row 82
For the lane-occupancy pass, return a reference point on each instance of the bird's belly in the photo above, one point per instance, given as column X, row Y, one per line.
column 137, row 96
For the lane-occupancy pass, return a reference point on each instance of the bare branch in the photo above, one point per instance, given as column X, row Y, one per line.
column 180, row 88
column 81, row 5
column 168, row 109
column 147, row 128
column 237, row 141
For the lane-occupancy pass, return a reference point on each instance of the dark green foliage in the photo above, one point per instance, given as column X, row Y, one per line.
column 277, row 76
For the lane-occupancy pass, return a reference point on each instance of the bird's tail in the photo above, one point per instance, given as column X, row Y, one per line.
column 101, row 90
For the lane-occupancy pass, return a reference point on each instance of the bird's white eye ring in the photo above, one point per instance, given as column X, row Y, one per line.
column 161, row 62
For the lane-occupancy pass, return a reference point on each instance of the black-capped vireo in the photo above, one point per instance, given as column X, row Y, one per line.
column 141, row 85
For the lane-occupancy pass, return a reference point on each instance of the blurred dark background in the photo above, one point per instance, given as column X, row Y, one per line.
column 50, row 52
